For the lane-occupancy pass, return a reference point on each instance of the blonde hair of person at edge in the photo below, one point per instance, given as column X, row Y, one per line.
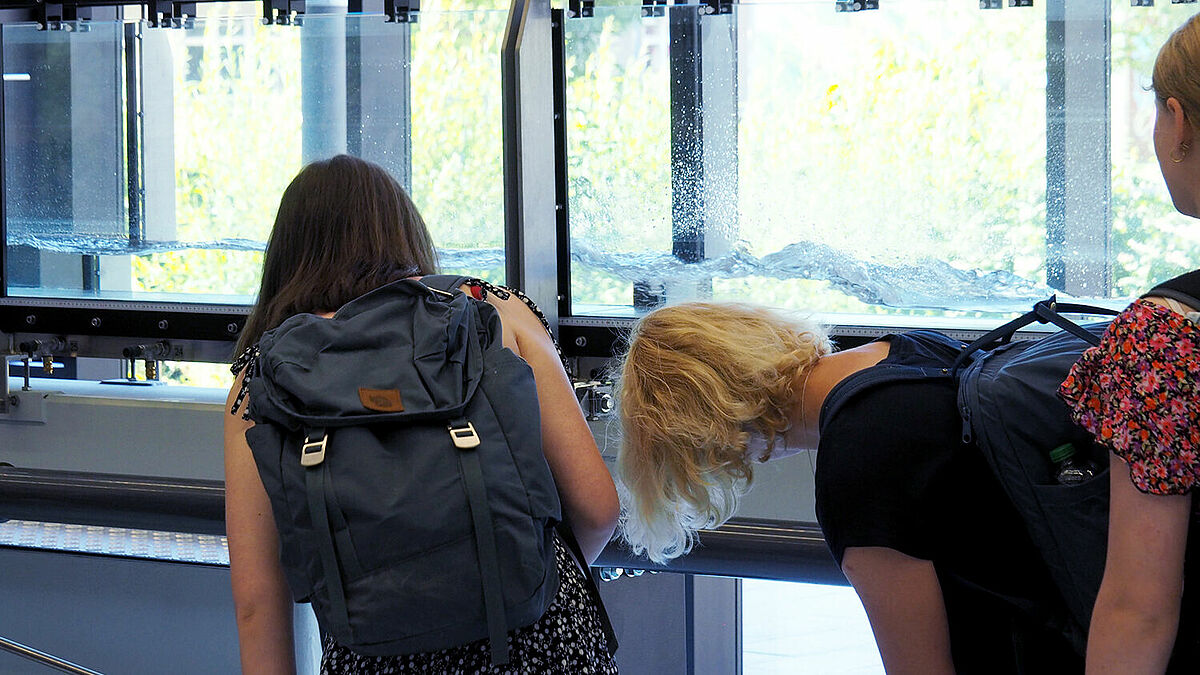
column 1136, row 621
column 707, row 390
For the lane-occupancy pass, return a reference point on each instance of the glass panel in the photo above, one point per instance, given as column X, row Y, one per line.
column 906, row 177
column 1152, row 242
column 65, row 155
column 618, row 153
column 230, row 110
column 458, row 169
column 805, row 628
column 903, row 177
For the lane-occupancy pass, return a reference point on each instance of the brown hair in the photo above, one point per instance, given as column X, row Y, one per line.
column 696, row 378
column 1177, row 68
column 344, row 227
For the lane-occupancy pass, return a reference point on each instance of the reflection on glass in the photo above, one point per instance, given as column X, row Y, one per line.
column 885, row 163
column 165, row 187
column 619, row 149
column 1152, row 242
column 891, row 160
column 65, row 152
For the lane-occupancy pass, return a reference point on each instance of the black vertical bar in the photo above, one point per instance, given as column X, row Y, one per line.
column 136, row 195
column 354, row 86
column 687, row 135
column 90, row 280
column 1056, row 145
column 3, row 184
column 510, row 82
column 561, row 185
column 689, row 620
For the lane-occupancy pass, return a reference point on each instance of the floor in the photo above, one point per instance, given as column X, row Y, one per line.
column 805, row 628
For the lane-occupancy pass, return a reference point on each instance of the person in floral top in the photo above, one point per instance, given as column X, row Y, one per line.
column 1138, row 393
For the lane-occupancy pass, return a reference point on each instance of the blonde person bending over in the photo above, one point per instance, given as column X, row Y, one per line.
column 917, row 523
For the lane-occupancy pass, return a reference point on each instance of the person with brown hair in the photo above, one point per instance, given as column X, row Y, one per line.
column 911, row 513
column 345, row 227
column 1138, row 393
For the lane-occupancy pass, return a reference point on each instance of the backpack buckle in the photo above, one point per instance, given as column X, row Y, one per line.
column 464, row 438
column 312, row 452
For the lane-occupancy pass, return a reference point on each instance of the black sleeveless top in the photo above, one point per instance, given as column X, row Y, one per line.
column 893, row 472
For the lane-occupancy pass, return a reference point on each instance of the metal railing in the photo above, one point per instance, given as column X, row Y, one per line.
column 111, row 500
column 45, row 659
column 762, row 549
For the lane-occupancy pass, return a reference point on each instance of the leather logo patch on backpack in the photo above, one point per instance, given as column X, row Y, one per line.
column 383, row 400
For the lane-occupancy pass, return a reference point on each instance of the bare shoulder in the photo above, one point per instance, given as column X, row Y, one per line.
column 1170, row 304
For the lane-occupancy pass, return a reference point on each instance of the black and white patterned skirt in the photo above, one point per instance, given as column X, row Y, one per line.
column 567, row 640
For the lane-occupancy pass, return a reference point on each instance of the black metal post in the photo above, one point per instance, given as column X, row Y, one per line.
column 136, row 203
column 3, row 186
column 561, row 177
column 687, row 134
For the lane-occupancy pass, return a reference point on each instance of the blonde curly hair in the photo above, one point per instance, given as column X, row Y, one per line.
column 695, row 378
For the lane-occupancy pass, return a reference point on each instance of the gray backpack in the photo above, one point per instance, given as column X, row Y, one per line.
column 400, row 445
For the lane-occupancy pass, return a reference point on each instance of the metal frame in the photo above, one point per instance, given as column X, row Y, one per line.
column 104, row 327
column 562, row 191
column 530, row 226
column 749, row 548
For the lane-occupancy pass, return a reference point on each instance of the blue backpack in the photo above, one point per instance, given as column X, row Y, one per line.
column 400, row 445
column 1008, row 400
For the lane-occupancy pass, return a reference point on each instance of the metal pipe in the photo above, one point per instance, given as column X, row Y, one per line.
column 141, row 502
column 44, row 658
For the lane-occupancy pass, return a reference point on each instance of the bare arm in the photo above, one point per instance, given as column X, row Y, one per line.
column 589, row 498
column 903, row 600
column 1137, row 611
column 261, row 598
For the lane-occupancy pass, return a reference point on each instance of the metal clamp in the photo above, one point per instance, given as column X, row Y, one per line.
column 464, row 438
column 718, row 7
column 170, row 13
column 581, row 9
column 855, row 5
column 312, row 452
column 283, row 12
column 654, row 8
column 402, row 11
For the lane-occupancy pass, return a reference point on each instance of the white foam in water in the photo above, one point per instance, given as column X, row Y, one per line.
column 924, row 284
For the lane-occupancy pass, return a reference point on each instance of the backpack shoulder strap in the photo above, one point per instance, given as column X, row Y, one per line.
column 1185, row 288
column 1045, row 311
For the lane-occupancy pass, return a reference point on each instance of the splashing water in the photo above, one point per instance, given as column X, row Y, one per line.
column 925, row 284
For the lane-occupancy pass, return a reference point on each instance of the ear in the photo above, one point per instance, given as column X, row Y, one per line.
column 1179, row 124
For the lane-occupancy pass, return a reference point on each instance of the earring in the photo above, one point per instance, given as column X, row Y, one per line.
column 1177, row 154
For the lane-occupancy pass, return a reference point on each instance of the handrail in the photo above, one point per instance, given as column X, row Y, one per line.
column 43, row 658
column 748, row 548
column 112, row 500
column 752, row 548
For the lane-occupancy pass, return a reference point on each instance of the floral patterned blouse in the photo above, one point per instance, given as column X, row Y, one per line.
column 1139, row 394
